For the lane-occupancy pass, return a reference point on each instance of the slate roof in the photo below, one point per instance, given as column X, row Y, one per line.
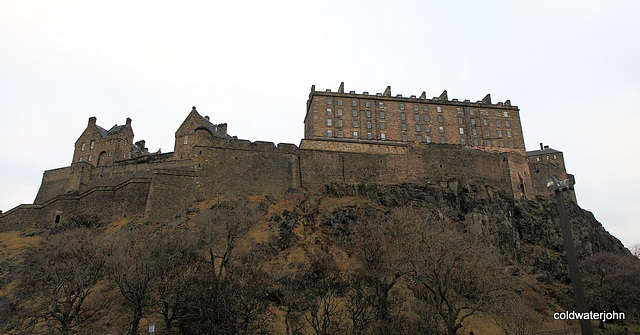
column 542, row 152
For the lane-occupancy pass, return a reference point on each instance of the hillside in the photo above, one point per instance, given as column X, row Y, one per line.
column 454, row 257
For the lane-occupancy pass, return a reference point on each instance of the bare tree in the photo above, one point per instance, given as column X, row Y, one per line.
column 635, row 250
column 60, row 274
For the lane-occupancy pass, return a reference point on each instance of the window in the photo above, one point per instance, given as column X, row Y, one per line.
column 475, row 141
column 109, row 154
column 459, row 120
column 506, row 114
column 508, row 133
column 426, row 118
column 473, row 121
column 82, row 147
column 440, row 118
column 461, row 130
column 328, row 111
column 538, row 159
column 80, row 159
column 425, row 108
column 442, row 141
column 426, row 128
column 404, row 137
column 383, row 125
column 417, row 127
column 368, row 124
column 381, row 114
column 510, row 144
column 483, row 112
column 329, row 123
column 501, row 144
column 368, row 112
column 441, row 129
column 459, row 110
column 463, row 141
column 367, row 104
column 403, row 116
column 401, row 107
column 186, row 139
column 354, row 113
column 380, row 104
column 496, row 113
column 328, row 101
column 369, row 135
column 438, row 109
column 355, row 134
column 487, row 143
column 471, row 112
column 383, row 136
column 354, row 103
column 499, row 133
column 339, row 122
column 486, row 133
column 418, row 138
column 340, row 133
column 507, row 123
column 428, row 139
column 329, row 132
column 339, row 111
column 93, row 145
column 474, row 131
column 355, row 123
column 416, row 117
column 485, row 122
column 497, row 123
column 416, row 107
column 403, row 126
column 89, row 159
column 339, row 102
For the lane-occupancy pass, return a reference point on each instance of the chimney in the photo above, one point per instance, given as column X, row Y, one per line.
column 387, row 91
column 206, row 117
column 546, row 147
column 444, row 96
column 92, row 121
column 541, row 146
column 487, row 99
column 341, row 88
column 128, row 121
column 223, row 127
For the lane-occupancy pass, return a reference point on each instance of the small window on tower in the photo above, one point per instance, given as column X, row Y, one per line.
column 93, row 145
column 186, row 139
column 80, row 159
column 82, row 147
column 89, row 159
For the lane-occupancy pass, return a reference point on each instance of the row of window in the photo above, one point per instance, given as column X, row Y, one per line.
column 425, row 108
column 427, row 138
column 92, row 144
column 418, row 128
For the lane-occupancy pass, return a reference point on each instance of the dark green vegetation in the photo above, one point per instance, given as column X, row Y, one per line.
column 358, row 259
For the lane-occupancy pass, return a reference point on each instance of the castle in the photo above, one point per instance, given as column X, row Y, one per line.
column 349, row 138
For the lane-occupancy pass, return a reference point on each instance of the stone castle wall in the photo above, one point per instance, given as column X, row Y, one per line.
column 161, row 188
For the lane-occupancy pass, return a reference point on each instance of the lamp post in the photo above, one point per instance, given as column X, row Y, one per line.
column 559, row 187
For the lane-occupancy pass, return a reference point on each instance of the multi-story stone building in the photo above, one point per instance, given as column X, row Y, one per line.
column 381, row 117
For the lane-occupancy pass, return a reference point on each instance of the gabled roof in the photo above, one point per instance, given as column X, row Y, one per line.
column 103, row 132
column 202, row 123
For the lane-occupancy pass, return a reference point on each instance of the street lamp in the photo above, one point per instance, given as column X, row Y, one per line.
column 559, row 187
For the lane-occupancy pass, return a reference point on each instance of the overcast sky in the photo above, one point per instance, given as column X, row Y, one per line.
column 572, row 67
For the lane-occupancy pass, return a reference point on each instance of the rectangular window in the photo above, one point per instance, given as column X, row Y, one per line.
column 485, row 122
column 427, row 129
column 93, row 145
column 416, row 117
column 501, row 144
column 354, row 113
column 487, row 142
column 442, row 141
column 438, row 109
column 508, row 133
column 109, row 154
column 425, row 108
column 507, row 123
column 328, row 101
column 428, row 139
column 511, row 145
column 368, row 124
column 440, row 118
column 499, row 133
column 383, row 125
column 89, row 159
column 355, row 134
column 381, row 114
column 368, row 113
column 401, row 107
column 403, row 116
column 496, row 113
column 474, row 131
column 340, row 133
column 461, row 130
column 380, row 104
column 475, row 141
column 471, row 112
column 367, row 104
column 441, row 129
column 328, row 111
column 369, row 135
column 506, row 114
column 497, row 123
column 339, row 102
column 383, row 136
column 82, row 147
column 483, row 112
column 416, row 107
column 354, row 103
column 355, row 123
column 403, row 126
column 329, row 123
column 417, row 127
column 186, row 139
column 463, row 141
column 486, row 133
column 339, row 122
column 418, row 138
column 459, row 110
column 473, row 121
column 459, row 120
column 329, row 132
column 404, row 137
column 80, row 159
column 426, row 118
column 339, row 111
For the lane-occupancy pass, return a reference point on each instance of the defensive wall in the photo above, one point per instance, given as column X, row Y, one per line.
column 160, row 187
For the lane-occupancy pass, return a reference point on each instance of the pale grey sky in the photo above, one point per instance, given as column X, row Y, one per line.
column 571, row 66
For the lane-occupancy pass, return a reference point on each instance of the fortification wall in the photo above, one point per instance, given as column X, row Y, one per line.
column 54, row 183
column 108, row 203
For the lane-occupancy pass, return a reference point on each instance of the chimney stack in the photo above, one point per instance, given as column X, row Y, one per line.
column 206, row 117
column 128, row 121
column 92, row 121
column 223, row 127
column 541, row 146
